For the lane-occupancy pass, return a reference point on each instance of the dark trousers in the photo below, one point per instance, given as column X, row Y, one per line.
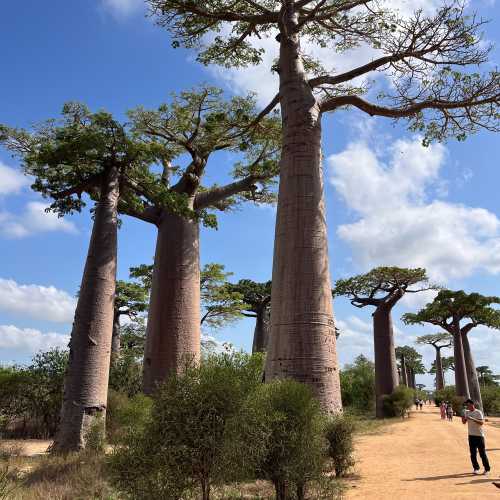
column 477, row 443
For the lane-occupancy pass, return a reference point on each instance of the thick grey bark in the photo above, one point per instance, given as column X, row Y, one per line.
column 261, row 332
column 461, row 383
column 86, row 382
column 173, row 330
column 404, row 371
column 302, row 343
column 439, row 370
column 386, row 373
column 472, row 378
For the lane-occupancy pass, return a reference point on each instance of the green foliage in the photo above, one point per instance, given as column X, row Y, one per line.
column 255, row 296
column 450, row 304
column 441, row 339
column 399, row 402
column 448, row 363
column 33, row 394
column 486, row 376
column 446, row 394
column 339, row 433
column 184, row 445
column 490, row 395
column 357, row 382
column 413, row 359
column 286, row 439
column 130, row 299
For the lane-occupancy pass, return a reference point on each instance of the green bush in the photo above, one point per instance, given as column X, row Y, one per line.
column 491, row 399
column 185, row 445
column 357, row 383
column 339, row 433
column 124, row 413
column 446, row 394
column 287, row 441
column 399, row 402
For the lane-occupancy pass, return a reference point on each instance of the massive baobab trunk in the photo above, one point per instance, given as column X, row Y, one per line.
column 470, row 367
column 439, row 370
column 302, row 343
column 261, row 332
column 386, row 374
column 86, row 382
column 173, row 330
column 461, row 383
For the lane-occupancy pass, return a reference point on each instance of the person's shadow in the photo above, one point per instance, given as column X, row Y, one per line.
column 437, row 478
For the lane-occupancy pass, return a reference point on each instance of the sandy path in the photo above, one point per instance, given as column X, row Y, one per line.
column 26, row 447
column 425, row 458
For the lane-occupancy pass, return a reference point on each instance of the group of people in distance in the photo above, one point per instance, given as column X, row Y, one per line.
column 446, row 410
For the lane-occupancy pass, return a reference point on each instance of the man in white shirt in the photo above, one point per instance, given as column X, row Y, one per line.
column 474, row 419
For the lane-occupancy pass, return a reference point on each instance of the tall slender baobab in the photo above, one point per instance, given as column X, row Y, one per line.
column 256, row 298
column 195, row 124
column 382, row 288
column 91, row 153
column 439, row 341
column 412, row 361
column 448, row 310
column 428, row 60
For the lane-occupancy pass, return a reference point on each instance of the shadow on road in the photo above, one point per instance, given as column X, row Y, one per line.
column 476, row 481
column 437, row 478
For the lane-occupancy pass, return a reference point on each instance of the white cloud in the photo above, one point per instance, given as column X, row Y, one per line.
column 33, row 220
column 11, row 180
column 398, row 225
column 123, row 8
column 38, row 302
column 29, row 341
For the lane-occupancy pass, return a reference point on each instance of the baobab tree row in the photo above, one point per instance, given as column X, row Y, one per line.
column 427, row 57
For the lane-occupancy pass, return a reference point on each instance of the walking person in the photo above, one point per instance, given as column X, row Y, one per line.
column 442, row 409
column 421, row 403
column 474, row 419
column 449, row 411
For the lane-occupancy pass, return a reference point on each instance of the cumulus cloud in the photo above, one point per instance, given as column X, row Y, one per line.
column 33, row 220
column 123, row 8
column 11, row 180
column 35, row 301
column 400, row 219
column 29, row 340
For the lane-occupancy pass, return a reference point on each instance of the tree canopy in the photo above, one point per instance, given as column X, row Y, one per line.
column 382, row 286
column 448, row 363
column 438, row 340
column 450, row 306
column 255, row 296
column 428, row 57
column 413, row 359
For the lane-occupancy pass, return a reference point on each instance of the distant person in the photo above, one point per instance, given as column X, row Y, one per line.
column 421, row 403
column 449, row 411
column 416, row 404
column 474, row 419
column 442, row 409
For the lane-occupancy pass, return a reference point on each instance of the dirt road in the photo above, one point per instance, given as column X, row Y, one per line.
column 423, row 457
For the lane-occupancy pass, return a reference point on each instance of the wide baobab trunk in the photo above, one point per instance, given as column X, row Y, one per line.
column 404, row 371
column 261, row 332
column 386, row 374
column 302, row 342
column 115, row 339
column 86, row 381
column 439, row 370
column 472, row 378
column 461, row 383
column 173, row 329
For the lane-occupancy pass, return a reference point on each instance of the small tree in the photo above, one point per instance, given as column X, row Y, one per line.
column 448, row 310
column 382, row 288
column 185, row 445
column 357, row 381
column 439, row 341
column 84, row 152
column 486, row 376
column 399, row 402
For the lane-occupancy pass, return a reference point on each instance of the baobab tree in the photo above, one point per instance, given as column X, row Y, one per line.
column 412, row 361
column 428, row 59
column 84, row 152
column 447, row 363
column 194, row 125
column 256, row 298
column 382, row 288
column 439, row 341
column 448, row 310
column 486, row 376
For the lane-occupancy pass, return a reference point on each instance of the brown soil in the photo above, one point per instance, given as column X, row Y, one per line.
column 423, row 457
column 25, row 447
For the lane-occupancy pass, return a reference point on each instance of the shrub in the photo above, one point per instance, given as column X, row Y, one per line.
column 185, row 445
column 357, row 383
column 446, row 394
column 491, row 399
column 399, row 402
column 289, row 447
column 339, row 433
column 124, row 413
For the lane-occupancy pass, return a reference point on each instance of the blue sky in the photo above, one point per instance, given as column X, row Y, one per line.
column 389, row 200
